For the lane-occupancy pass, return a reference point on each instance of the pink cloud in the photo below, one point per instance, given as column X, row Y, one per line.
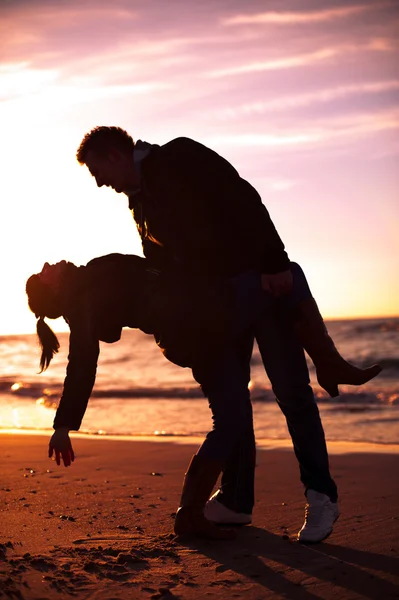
column 302, row 60
column 289, row 18
column 292, row 101
column 315, row 132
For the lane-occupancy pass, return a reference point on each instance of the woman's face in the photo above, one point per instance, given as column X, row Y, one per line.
column 51, row 275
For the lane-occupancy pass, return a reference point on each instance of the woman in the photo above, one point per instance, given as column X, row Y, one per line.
column 190, row 320
column 195, row 323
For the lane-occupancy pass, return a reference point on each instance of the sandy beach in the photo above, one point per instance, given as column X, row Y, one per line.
column 102, row 528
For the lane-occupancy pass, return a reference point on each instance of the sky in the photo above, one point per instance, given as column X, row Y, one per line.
column 301, row 96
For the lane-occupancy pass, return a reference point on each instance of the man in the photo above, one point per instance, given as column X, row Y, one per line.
column 195, row 214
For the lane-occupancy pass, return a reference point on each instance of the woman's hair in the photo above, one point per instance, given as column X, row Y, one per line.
column 43, row 303
column 48, row 342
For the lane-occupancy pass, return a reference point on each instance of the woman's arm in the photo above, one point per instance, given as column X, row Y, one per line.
column 79, row 381
column 61, row 446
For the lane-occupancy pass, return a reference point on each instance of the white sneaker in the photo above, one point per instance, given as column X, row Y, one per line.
column 320, row 516
column 218, row 513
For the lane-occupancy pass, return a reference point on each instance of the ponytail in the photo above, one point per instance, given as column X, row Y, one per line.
column 48, row 342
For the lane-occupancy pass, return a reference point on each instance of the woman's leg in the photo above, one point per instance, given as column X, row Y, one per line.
column 226, row 386
column 236, row 491
column 331, row 368
column 224, row 381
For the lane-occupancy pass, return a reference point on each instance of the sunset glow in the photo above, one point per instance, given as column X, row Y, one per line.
column 302, row 97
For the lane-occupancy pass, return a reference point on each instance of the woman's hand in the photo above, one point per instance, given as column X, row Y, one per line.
column 61, row 445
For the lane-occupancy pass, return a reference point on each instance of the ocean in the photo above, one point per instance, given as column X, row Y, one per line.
column 139, row 393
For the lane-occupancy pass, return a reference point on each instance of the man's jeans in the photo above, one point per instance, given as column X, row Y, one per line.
column 225, row 381
column 232, row 438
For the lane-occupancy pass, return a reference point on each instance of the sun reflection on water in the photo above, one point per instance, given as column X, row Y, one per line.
column 16, row 421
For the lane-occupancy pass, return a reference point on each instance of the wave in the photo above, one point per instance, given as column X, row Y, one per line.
column 389, row 364
column 283, row 441
column 375, row 326
column 49, row 394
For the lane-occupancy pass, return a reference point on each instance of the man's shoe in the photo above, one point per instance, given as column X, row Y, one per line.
column 217, row 512
column 320, row 516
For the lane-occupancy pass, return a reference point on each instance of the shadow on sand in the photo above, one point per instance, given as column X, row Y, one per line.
column 285, row 567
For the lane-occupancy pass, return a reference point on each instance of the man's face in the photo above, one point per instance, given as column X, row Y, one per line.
column 110, row 170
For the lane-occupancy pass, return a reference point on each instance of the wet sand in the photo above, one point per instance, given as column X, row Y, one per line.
column 103, row 528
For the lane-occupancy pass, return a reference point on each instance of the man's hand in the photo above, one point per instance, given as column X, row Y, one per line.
column 61, row 445
column 278, row 284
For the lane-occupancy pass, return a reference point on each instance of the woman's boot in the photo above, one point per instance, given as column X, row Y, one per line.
column 331, row 368
column 198, row 484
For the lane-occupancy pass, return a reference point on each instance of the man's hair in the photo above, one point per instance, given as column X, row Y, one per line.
column 101, row 139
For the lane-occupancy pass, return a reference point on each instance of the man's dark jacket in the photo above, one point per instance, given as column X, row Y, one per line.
column 196, row 213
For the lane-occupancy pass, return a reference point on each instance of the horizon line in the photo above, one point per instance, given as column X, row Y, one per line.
column 350, row 318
